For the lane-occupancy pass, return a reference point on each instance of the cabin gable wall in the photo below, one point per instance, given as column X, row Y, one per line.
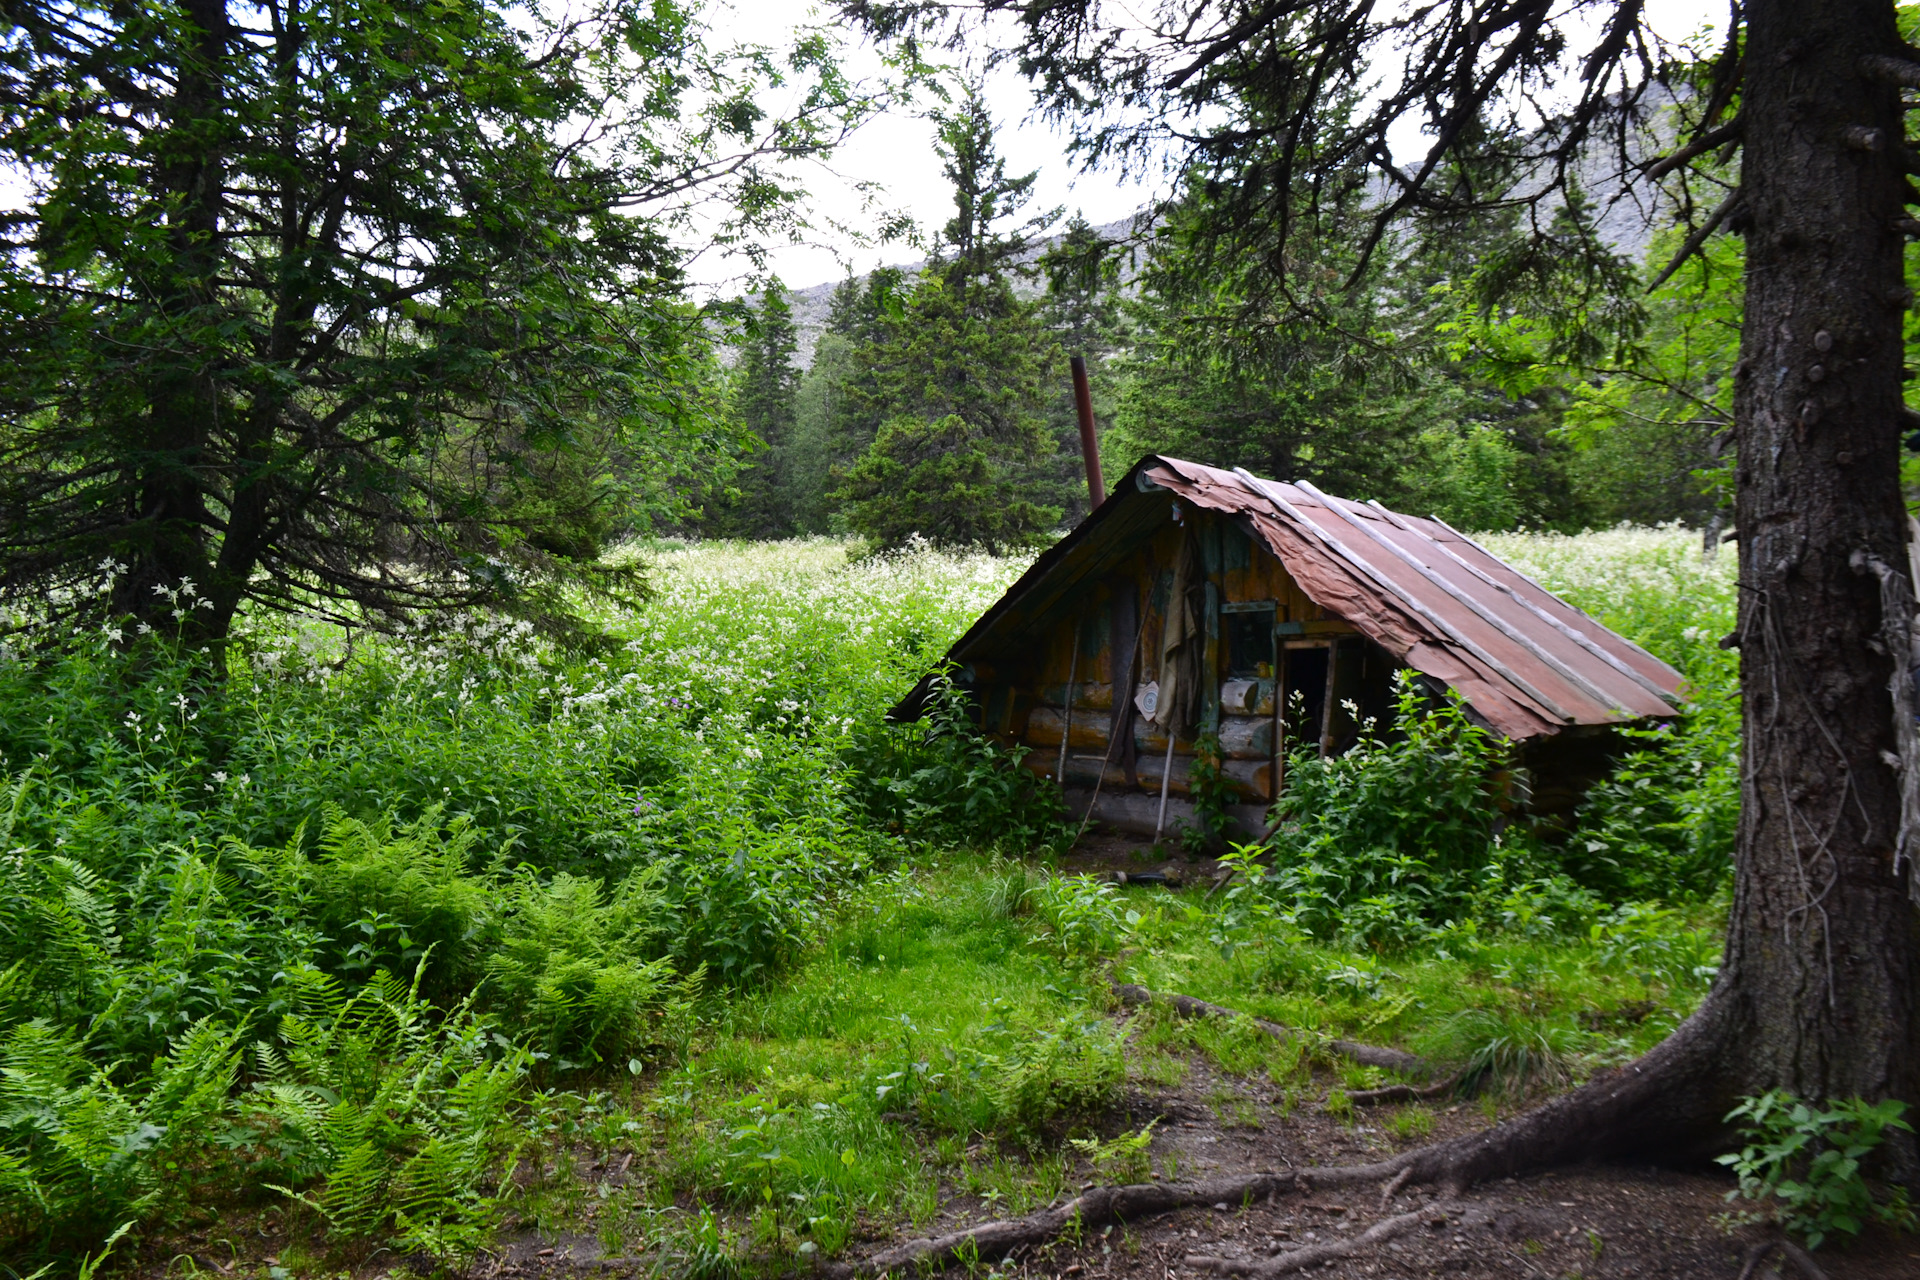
column 1075, row 672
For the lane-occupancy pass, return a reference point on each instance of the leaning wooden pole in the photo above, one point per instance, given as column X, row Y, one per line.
column 1089, row 443
column 1166, row 777
column 1066, row 713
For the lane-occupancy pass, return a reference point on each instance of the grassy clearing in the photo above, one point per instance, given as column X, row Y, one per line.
column 950, row 1040
column 400, row 941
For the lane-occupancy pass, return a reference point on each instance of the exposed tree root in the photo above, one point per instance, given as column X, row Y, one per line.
column 1103, row 1205
column 1668, row 1102
column 1314, row 1254
column 1793, row 1253
column 1371, row 1055
column 1406, row 1092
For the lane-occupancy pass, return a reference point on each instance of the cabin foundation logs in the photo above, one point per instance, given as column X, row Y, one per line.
column 1246, row 741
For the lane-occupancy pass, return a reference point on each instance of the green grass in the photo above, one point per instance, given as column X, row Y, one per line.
column 843, row 1092
column 1444, row 1006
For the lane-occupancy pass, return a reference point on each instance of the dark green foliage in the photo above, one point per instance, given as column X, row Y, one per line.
column 1662, row 825
column 1406, row 818
column 1083, row 309
column 563, row 853
column 82, row 1154
column 1298, row 402
column 759, row 501
column 942, row 782
column 1401, row 836
column 1211, row 792
column 287, row 310
column 1807, row 1161
column 1344, row 375
column 951, row 386
column 576, row 965
column 403, row 1113
column 940, row 481
column 1644, row 425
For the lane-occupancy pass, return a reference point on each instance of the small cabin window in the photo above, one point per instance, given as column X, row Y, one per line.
column 1247, row 627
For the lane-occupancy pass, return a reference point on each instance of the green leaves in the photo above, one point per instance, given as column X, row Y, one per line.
column 289, row 310
column 81, row 1152
column 1807, row 1162
column 1086, row 916
column 1395, row 836
column 405, row 1116
column 943, row 782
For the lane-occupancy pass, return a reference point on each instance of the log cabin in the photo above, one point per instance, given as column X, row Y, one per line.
column 1277, row 616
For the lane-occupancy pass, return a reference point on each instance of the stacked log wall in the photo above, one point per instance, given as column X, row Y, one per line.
column 1033, row 709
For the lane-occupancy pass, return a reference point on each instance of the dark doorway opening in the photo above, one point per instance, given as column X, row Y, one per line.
column 1306, row 686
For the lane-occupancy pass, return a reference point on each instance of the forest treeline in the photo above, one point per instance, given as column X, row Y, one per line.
column 938, row 402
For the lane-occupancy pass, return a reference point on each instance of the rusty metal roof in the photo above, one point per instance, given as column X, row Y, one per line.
column 1526, row 662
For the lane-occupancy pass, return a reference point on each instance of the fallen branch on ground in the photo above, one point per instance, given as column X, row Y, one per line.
column 1103, row 1205
column 1314, row 1255
column 1405, row 1092
column 1371, row 1055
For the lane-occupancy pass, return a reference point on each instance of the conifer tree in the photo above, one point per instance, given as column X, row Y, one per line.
column 954, row 383
column 301, row 304
column 1082, row 308
column 759, row 503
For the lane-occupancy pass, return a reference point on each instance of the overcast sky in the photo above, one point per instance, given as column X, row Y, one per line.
column 896, row 151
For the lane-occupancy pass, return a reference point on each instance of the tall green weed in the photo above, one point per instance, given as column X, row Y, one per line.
column 1401, row 835
column 943, row 782
column 1663, row 824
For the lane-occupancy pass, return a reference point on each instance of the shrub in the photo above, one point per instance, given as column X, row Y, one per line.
column 1807, row 1162
column 943, row 782
column 1085, row 915
column 1398, row 835
column 1655, row 944
column 1662, row 827
column 559, row 846
column 1663, row 824
column 577, row 967
column 569, row 969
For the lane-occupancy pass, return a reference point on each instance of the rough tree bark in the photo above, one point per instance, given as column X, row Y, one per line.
column 1816, row 988
column 1822, row 949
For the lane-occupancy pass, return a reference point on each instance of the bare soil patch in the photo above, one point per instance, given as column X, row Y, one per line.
column 1587, row 1222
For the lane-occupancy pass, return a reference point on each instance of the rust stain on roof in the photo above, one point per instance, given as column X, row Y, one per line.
column 1527, row 663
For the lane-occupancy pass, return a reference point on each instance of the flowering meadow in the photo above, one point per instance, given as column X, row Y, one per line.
column 450, row 850
column 355, row 922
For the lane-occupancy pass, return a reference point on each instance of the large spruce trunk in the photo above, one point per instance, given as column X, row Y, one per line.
column 165, row 536
column 1816, row 992
column 1822, row 953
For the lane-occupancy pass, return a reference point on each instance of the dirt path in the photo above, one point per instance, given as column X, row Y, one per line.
column 1600, row 1221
